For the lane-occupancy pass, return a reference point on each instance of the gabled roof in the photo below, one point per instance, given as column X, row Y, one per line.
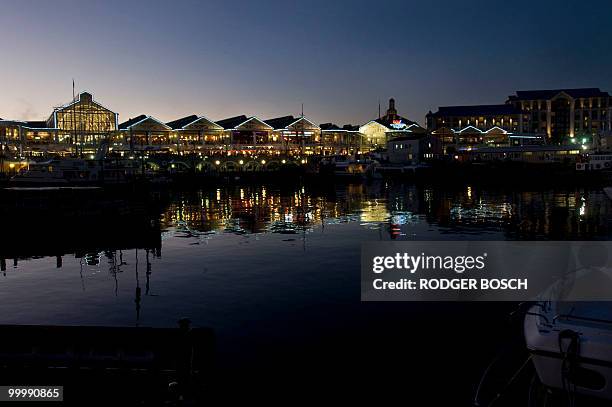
column 139, row 119
column 473, row 129
column 85, row 96
column 280, row 122
column 232, row 122
column 476, row 110
column 182, row 122
column 284, row 122
column 550, row 93
column 235, row 122
column 469, row 128
column 129, row 123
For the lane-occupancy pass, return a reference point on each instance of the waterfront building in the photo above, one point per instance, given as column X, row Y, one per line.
column 295, row 134
column 565, row 113
column 198, row 134
column 245, row 133
column 535, row 116
column 73, row 128
column 336, row 140
column 379, row 131
column 84, row 121
column 411, row 149
column 145, row 133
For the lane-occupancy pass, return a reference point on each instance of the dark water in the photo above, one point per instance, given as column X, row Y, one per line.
column 275, row 271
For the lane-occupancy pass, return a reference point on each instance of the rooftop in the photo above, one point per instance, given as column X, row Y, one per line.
column 232, row 122
column 476, row 110
column 280, row 122
column 550, row 93
column 182, row 122
column 126, row 124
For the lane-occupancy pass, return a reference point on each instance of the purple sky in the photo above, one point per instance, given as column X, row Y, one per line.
column 224, row 58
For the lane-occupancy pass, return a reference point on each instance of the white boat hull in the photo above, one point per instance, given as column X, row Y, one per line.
column 594, row 356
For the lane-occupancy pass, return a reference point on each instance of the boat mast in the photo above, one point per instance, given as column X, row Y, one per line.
column 74, row 132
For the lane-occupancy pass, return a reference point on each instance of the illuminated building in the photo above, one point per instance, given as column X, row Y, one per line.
column 412, row 149
column 563, row 113
column 341, row 140
column 378, row 132
column 84, row 120
column 144, row 133
column 535, row 116
column 196, row 133
column 74, row 128
column 292, row 133
column 245, row 133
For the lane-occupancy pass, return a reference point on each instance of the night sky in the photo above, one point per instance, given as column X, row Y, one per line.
column 219, row 59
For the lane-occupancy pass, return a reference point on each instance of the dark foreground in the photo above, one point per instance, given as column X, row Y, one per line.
column 273, row 270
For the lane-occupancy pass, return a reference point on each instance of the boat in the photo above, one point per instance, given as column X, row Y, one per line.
column 348, row 167
column 595, row 162
column 74, row 171
column 98, row 169
column 571, row 347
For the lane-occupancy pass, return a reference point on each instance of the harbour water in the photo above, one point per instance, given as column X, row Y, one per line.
column 274, row 270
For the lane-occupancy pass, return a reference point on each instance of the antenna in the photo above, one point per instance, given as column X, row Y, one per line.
column 379, row 108
column 302, row 109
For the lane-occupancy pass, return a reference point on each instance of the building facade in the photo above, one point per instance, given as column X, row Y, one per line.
column 561, row 116
column 377, row 133
column 565, row 113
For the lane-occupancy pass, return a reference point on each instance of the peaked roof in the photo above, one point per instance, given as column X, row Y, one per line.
column 138, row 119
column 550, row 93
column 237, row 121
column 476, row 110
column 286, row 121
column 182, row 122
column 280, row 122
column 128, row 123
column 232, row 122
column 387, row 122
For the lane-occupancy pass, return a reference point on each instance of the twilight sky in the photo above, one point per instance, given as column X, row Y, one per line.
column 223, row 58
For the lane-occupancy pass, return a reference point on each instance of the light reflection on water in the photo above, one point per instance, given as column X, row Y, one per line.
column 242, row 259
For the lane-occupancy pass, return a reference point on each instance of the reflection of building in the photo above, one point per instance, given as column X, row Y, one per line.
column 378, row 132
column 562, row 115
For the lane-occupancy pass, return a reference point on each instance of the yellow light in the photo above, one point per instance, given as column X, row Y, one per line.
column 11, row 165
column 263, row 162
column 240, row 162
column 303, row 161
column 283, row 161
column 217, row 162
